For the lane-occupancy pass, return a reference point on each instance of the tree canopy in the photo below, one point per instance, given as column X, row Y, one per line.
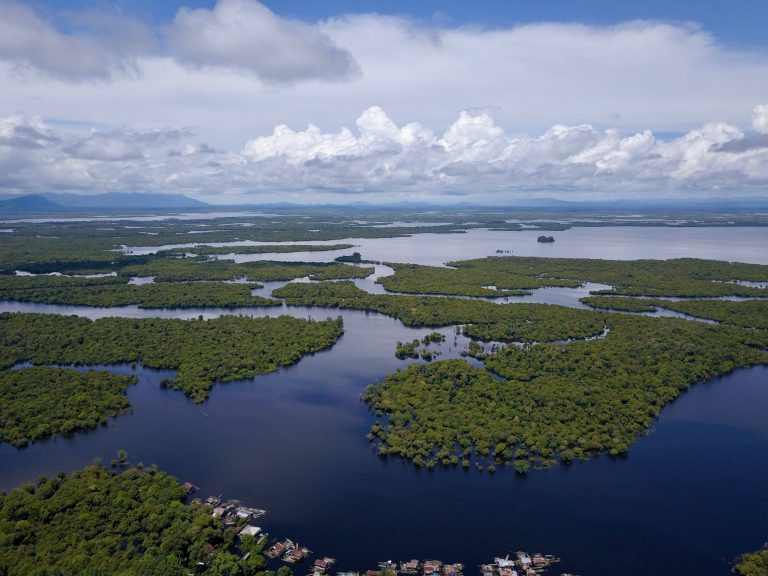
column 508, row 275
column 96, row 522
column 202, row 351
column 38, row 402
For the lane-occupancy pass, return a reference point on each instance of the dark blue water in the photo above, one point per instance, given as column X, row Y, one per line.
column 689, row 498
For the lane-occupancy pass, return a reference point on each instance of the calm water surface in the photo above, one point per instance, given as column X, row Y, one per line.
column 742, row 244
column 689, row 497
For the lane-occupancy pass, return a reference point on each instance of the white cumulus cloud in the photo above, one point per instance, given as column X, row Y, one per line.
column 378, row 158
column 31, row 43
column 235, row 35
column 760, row 118
column 245, row 36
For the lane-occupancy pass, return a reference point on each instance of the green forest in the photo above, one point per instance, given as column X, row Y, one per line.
column 39, row 401
column 485, row 320
column 567, row 401
column 748, row 313
column 685, row 277
column 69, row 247
column 465, row 281
column 202, row 351
column 115, row 291
column 567, row 395
column 753, row 563
column 203, row 250
column 570, row 400
column 97, row 522
column 187, row 269
column 180, row 282
column 571, row 384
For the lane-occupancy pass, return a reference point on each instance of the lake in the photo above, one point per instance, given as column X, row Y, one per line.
column 741, row 244
column 687, row 499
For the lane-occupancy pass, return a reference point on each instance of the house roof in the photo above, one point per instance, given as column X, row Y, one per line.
column 250, row 531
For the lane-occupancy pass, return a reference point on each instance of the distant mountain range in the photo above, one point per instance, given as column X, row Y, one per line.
column 116, row 202
column 61, row 203
column 542, row 204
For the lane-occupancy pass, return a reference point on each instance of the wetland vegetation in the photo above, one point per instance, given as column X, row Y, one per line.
column 189, row 269
column 508, row 275
column 554, row 401
column 203, row 250
column 132, row 522
column 546, row 383
column 202, row 351
column 748, row 313
column 116, row 291
column 41, row 401
column 484, row 320
column 566, row 395
column 753, row 563
column 419, row 348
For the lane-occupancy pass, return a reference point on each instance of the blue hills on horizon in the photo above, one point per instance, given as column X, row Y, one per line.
column 60, row 202
column 52, row 203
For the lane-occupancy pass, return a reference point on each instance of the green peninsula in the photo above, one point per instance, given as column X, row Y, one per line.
column 202, row 351
column 38, row 402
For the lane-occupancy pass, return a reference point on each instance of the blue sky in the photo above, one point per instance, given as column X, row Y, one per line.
column 737, row 22
column 233, row 100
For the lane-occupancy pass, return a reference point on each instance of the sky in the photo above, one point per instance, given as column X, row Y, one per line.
column 234, row 101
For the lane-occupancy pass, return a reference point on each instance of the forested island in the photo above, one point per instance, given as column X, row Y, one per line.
column 133, row 522
column 749, row 313
column 753, row 563
column 484, row 320
column 554, row 401
column 177, row 282
column 116, row 291
column 682, row 277
column 40, row 401
column 536, row 385
column 204, row 250
column 563, row 400
column 419, row 348
column 202, row 351
column 189, row 269
column 77, row 247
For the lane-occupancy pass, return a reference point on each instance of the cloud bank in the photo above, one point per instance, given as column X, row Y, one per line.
column 31, row 43
column 246, row 36
column 486, row 114
column 243, row 36
column 760, row 118
column 237, row 69
column 380, row 160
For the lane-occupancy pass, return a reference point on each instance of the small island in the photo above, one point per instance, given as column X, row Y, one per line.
column 355, row 258
column 546, row 239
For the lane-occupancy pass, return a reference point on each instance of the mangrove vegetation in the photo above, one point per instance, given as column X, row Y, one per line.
column 116, row 291
column 753, row 563
column 202, row 351
column 508, row 275
column 40, row 401
column 749, row 313
column 566, row 401
column 484, row 320
column 134, row 522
